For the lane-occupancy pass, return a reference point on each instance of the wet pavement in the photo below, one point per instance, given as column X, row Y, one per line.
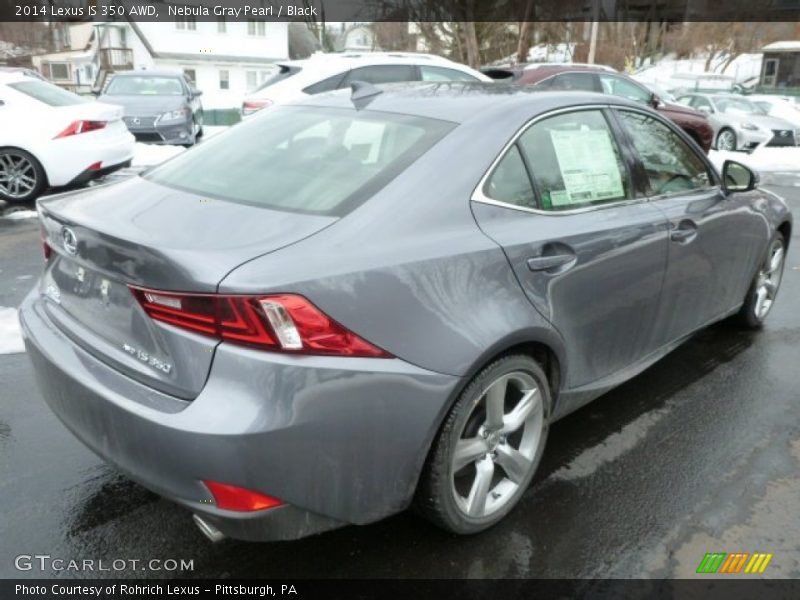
column 700, row 453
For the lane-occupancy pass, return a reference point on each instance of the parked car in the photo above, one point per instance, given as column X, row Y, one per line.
column 600, row 79
column 161, row 107
column 50, row 137
column 23, row 71
column 778, row 106
column 297, row 79
column 740, row 124
column 363, row 308
column 523, row 72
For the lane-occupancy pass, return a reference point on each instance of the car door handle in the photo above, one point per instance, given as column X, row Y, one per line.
column 550, row 262
column 684, row 233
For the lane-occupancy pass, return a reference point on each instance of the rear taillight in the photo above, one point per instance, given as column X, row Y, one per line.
column 284, row 322
column 77, row 127
column 232, row 497
column 251, row 106
column 48, row 251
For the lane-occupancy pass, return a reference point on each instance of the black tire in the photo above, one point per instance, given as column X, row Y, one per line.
column 41, row 177
column 435, row 498
column 748, row 315
column 730, row 131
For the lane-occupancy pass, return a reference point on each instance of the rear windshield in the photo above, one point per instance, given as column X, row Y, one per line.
column 47, row 93
column 304, row 159
column 145, row 86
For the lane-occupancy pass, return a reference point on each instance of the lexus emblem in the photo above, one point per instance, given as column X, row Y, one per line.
column 785, row 133
column 69, row 240
column 136, row 120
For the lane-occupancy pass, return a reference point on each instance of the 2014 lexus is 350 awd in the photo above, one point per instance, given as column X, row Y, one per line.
column 375, row 299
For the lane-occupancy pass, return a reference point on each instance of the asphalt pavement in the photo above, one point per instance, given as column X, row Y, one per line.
column 700, row 453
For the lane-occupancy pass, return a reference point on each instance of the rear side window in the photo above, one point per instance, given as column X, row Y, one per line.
column 382, row 74
column 326, row 85
column 444, row 74
column 671, row 164
column 303, row 159
column 510, row 182
column 585, row 82
column 280, row 73
column 575, row 161
column 47, row 93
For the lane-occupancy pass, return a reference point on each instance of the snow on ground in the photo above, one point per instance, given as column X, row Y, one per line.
column 146, row 155
column 670, row 73
column 763, row 160
column 10, row 332
column 17, row 215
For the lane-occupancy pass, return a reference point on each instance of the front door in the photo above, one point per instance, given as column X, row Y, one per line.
column 588, row 253
column 714, row 241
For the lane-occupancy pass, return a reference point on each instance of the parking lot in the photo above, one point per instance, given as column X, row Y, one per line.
column 698, row 454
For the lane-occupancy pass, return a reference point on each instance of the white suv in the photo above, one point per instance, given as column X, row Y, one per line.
column 326, row 72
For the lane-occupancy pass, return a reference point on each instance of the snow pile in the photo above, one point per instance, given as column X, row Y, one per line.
column 17, row 215
column 10, row 332
column 685, row 74
column 145, row 155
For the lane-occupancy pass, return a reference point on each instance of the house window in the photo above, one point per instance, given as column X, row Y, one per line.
column 224, row 79
column 222, row 26
column 252, row 79
column 191, row 75
column 258, row 28
column 186, row 23
column 58, row 71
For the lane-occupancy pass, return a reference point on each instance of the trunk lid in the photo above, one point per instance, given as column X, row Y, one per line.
column 143, row 234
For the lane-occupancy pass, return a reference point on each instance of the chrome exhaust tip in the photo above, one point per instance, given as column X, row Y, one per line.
column 208, row 530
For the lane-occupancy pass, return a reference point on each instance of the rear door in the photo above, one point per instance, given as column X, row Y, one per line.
column 587, row 250
column 714, row 241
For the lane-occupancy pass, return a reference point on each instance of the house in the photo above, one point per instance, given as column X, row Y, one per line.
column 356, row 37
column 780, row 67
column 72, row 65
column 224, row 59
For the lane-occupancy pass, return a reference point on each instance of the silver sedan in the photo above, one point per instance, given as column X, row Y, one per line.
column 740, row 124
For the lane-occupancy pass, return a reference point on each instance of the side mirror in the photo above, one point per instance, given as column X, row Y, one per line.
column 655, row 101
column 196, row 93
column 704, row 109
column 737, row 177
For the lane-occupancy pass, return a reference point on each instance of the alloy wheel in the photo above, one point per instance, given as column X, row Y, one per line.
column 495, row 453
column 769, row 279
column 17, row 175
column 726, row 141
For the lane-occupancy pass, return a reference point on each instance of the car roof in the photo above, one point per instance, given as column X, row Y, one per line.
column 370, row 58
column 12, row 76
column 460, row 101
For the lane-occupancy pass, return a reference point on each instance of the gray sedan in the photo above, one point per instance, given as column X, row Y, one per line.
column 345, row 306
column 740, row 124
column 161, row 107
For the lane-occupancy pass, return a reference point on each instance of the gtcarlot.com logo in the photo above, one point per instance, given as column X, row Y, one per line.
column 734, row 563
column 46, row 562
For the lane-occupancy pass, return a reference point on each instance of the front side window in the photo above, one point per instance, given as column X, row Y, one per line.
column 304, row 159
column 444, row 74
column 618, row 86
column 575, row 161
column 510, row 182
column 382, row 74
column 671, row 164
column 737, row 106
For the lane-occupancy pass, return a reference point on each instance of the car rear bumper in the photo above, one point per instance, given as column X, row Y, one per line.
column 69, row 158
column 339, row 440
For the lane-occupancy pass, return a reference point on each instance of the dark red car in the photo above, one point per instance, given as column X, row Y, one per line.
column 607, row 81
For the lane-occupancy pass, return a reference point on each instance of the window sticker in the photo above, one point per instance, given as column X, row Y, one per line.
column 588, row 165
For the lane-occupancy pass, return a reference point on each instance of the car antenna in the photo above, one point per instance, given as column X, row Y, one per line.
column 363, row 93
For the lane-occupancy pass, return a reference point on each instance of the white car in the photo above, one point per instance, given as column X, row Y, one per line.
column 778, row 106
column 327, row 72
column 50, row 137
